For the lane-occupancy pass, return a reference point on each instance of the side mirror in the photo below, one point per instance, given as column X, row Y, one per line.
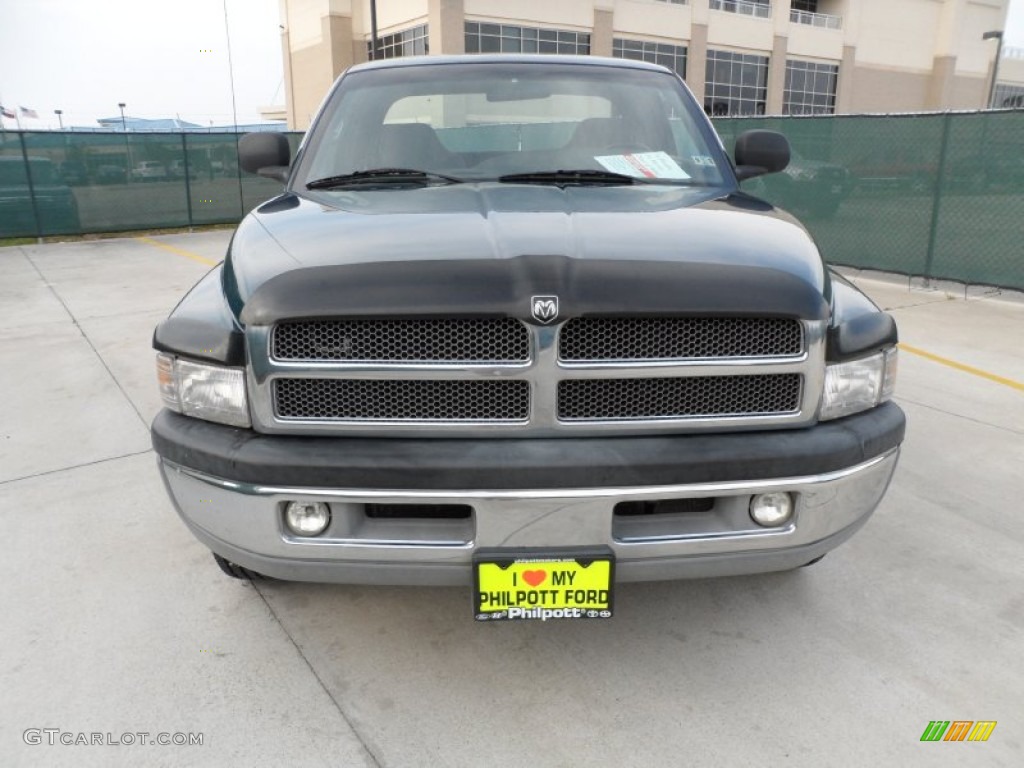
column 265, row 154
column 760, row 152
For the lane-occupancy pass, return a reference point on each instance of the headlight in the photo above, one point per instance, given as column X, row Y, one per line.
column 858, row 385
column 209, row 392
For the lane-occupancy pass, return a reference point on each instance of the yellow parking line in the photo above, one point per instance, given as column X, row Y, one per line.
column 965, row 368
column 178, row 251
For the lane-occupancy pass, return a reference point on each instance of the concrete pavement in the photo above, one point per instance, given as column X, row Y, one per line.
column 115, row 620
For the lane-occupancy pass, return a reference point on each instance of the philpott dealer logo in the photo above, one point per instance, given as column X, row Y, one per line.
column 544, row 308
column 958, row 730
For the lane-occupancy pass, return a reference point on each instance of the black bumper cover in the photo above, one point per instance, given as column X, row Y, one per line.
column 517, row 464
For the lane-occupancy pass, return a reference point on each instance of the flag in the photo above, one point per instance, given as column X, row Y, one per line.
column 8, row 113
column 26, row 112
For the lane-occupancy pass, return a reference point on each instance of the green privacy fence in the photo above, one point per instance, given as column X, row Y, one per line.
column 60, row 183
column 939, row 195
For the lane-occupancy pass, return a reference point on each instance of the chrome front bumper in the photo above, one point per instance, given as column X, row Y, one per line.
column 244, row 523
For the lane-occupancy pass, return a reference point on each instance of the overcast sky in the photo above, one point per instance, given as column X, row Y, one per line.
column 1014, row 24
column 161, row 58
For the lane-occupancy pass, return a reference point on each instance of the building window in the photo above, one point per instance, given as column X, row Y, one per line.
column 1006, row 96
column 502, row 38
column 409, row 42
column 735, row 84
column 759, row 8
column 806, row 12
column 673, row 2
column 810, row 88
column 671, row 56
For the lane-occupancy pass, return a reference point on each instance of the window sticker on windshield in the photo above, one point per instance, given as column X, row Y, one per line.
column 704, row 160
column 649, row 165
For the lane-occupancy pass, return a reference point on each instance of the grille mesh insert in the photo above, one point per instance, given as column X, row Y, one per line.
column 483, row 340
column 402, row 399
column 678, row 338
column 697, row 396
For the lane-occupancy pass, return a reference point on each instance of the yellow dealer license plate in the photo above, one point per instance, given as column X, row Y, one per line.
column 530, row 584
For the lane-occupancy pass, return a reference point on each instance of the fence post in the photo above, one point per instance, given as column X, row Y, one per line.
column 188, row 181
column 31, row 187
column 937, row 197
column 238, row 170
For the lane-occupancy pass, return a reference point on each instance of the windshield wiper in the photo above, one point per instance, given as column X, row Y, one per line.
column 377, row 176
column 586, row 176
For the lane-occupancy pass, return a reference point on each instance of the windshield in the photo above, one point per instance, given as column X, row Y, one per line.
column 484, row 121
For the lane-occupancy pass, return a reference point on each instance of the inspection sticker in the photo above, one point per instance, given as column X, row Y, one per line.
column 543, row 585
column 649, row 165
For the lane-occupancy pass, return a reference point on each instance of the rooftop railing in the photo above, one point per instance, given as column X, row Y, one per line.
column 824, row 20
column 744, row 7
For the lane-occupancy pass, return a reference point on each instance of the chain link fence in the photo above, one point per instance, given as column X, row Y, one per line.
column 938, row 196
column 69, row 183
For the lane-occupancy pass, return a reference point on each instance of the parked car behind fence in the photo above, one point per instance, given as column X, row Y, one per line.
column 54, row 201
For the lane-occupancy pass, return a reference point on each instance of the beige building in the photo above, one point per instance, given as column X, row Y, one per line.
column 738, row 56
column 1009, row 90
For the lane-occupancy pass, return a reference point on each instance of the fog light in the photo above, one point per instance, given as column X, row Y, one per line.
column 307, row 518
column 771, row 509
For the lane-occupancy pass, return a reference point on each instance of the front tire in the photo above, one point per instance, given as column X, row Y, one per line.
column 818, row 559
column 234, row 570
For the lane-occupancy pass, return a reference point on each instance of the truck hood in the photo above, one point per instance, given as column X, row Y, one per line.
column 493, row 221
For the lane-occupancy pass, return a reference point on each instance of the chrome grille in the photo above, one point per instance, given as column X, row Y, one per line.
column 505, row 400
column 591, row 339
column 473, row 340
column 588, row 376
column 680, row 398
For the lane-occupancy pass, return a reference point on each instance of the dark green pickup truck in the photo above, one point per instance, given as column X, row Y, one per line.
column 512, row 324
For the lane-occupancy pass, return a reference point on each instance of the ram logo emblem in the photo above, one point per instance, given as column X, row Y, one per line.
column 545, row 308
